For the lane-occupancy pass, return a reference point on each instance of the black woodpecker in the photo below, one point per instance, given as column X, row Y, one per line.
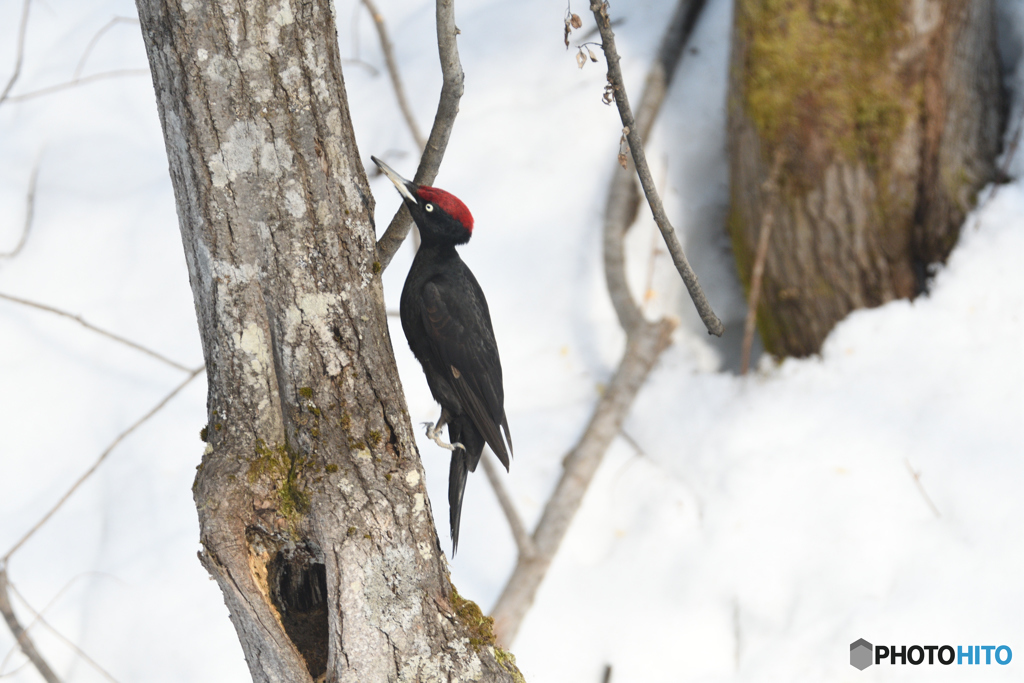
column 445, row 318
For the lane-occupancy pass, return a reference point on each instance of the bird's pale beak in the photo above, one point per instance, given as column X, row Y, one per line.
column 404, row 186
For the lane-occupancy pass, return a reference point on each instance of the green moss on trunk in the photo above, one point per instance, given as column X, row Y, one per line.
column 818, row 78
column 284, row 467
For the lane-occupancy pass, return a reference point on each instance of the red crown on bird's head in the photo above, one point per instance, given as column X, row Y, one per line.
column 449, row 203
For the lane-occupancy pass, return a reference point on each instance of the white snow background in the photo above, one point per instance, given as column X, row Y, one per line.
column 748, row 528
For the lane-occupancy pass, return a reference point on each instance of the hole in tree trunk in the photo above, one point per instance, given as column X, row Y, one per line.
column 298, row 586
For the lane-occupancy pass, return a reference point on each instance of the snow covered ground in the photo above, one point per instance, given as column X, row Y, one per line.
column 748, row 528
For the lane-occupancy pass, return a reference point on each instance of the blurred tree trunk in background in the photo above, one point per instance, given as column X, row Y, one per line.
column 313, row 512
column 881, row 120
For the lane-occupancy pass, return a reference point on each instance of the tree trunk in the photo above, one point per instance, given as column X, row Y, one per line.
column 884, row 119
column 313, row 513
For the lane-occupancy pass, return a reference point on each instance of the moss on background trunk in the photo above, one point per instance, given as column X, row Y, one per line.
column 884, row 119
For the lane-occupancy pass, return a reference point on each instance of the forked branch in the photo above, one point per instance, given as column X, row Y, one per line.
column 444, row 120
column 645, row 341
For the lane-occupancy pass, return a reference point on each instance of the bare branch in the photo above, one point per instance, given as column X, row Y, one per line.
column 38, row 617
column 30, row 210
column 396, row 80
column 523, row 539
column 632, row 132
column 623, row 195
column 22, row 28
column 110, row 335
column 120, row 437
column 619, row 213
column 20, row 634
column 102, row 76
column 96, row 38
column 447, row 109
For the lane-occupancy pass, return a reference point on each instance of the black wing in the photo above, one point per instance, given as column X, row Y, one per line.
column 458, row 325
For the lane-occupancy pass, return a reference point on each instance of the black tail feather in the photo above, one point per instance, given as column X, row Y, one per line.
column 464, row 460
column 458, row 473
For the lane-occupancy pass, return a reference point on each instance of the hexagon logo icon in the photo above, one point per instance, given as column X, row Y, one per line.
column 860, row 654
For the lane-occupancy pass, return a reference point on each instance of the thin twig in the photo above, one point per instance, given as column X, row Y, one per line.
column 22, row 28
column 447, row 108
column 396, row 80
column 523, row 539
column 30, row 211
column 96, row 38
column 53, row 600
column 623, row 194
column 632, row 132
column 20, row 634
column 920, row 487
column 370, row 68
column 110, row 335
column 85, row 80
column 38, row 617
column 756, row 276
column 627, row 437
column 120, row 437
column 14, row 671
column 770, row 191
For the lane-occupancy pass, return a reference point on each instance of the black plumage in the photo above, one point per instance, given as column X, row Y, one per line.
column 448, row 326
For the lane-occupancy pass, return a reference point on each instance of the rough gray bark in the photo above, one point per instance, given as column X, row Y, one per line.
column 887, row 117
column 313, row 513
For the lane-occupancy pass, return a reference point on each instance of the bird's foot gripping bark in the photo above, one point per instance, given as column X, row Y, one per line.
column 434, row 434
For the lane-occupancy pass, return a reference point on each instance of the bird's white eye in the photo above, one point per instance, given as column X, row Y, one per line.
column 428, row 208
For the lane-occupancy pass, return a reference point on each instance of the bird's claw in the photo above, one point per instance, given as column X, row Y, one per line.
column 434, row 434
